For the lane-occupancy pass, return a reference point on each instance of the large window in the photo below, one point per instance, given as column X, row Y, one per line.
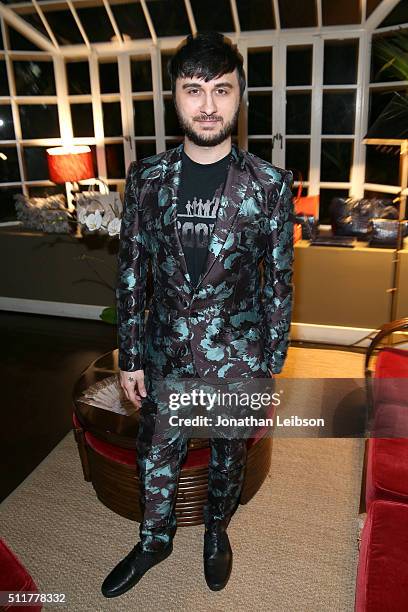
column 309, row 102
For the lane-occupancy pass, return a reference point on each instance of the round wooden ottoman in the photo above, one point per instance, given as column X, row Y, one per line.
column 106, row 445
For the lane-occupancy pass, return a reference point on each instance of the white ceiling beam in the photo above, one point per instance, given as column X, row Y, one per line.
column 191, row 18
column 45, row 23
column 235, row 17
column 113, row 21
column 149, row 21
column 79, row 24
column 275, row 7
column 26, row 29
column 380, row 13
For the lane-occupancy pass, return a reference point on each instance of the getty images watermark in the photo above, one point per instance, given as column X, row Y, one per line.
column 250, row 407
column 200, row 399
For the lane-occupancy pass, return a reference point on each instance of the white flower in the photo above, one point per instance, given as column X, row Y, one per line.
column 94, row 221
column 114, row 227
column 82, row 216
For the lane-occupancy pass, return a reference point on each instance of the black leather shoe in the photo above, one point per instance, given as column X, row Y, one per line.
column 131, row 569
column 217, row 557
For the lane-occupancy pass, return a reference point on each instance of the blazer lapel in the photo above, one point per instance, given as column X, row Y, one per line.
column 230, row 195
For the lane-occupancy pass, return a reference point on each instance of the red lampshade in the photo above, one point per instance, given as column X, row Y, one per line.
column 70, row 164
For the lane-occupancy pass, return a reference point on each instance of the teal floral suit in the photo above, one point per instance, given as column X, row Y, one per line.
column 232, row 324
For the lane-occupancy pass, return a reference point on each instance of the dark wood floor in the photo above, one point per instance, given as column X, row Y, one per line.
column 40, row 361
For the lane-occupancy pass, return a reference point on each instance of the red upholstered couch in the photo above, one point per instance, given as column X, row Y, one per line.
column 382, row 577
column 14, row 577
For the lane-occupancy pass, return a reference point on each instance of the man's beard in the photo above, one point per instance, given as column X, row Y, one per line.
column 203, row 140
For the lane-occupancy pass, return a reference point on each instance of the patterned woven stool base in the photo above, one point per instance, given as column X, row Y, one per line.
column 117, row 484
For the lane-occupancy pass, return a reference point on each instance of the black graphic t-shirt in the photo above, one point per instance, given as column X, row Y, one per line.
column 197, row 209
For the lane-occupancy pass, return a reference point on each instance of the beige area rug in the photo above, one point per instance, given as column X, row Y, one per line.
column 295, row 543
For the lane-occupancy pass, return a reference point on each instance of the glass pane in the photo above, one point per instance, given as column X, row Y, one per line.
column 18, row 42
column 339, row 13
column 213, row 15
column 96, row 23
column 9, row 172
column 382, row 164
column 388, row 51
column 7, row 203
column 63, row 25
column 299, row 65
column 112, row 119
column 298, row 112
column 39, row 120
column 130, row 19
column 78, row 78
column 6, row 123
column 340, row 62
column 171, row 123
column 109, row 77
column 256, row 15
column 388, row 111
column 115, row 160
column 259, row 113
column 338, row 112
column 141, row 72
column 336, row 160
column 82, row 120
column 261, row 148
column 43, row 191
column 172, row 143
column 260, row 67
column 4, row 88
column 145, row 148
column 35, row 163
column 34, row 78
column 143, row 115
column 35, row 20
column 165, row 57
column 298, row 158
column 169, row 17
column 298, row 13
column 398, row 15
column 326, row 196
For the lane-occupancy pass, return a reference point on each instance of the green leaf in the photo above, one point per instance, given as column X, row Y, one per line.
column 108, row 315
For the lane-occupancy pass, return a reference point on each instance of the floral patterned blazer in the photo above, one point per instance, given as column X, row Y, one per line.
column 236, row 321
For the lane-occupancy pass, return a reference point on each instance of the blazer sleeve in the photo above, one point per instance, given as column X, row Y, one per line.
column 278, row 288
column 132, row 277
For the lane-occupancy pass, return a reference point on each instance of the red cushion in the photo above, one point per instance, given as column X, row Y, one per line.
column 390, row 420
column 387, row 470
column 382, row 575
column 391, row 362
column 14, row 577
column 195, row 458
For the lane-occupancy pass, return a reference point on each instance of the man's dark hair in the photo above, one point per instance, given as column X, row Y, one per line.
column 207, row 55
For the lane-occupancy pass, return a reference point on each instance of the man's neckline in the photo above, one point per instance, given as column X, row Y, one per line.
column 212, row 164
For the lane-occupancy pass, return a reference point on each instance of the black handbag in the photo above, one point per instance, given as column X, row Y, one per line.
column 310, row 225
column 351, row 217
column 384, row 232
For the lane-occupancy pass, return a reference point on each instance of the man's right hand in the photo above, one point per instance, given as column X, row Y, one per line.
column 133, row 386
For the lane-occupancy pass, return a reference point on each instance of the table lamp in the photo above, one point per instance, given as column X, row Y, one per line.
column 70, row 165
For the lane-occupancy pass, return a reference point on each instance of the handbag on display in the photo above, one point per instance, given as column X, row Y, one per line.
column 306, row 210
column 350, row 217
column 384, row 232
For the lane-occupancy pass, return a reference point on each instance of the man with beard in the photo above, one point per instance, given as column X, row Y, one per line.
column 205, row 214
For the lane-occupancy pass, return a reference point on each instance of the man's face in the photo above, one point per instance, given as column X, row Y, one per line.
column 208, row 111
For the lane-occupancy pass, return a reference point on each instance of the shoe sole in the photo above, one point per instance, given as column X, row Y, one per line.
column 131, row 585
